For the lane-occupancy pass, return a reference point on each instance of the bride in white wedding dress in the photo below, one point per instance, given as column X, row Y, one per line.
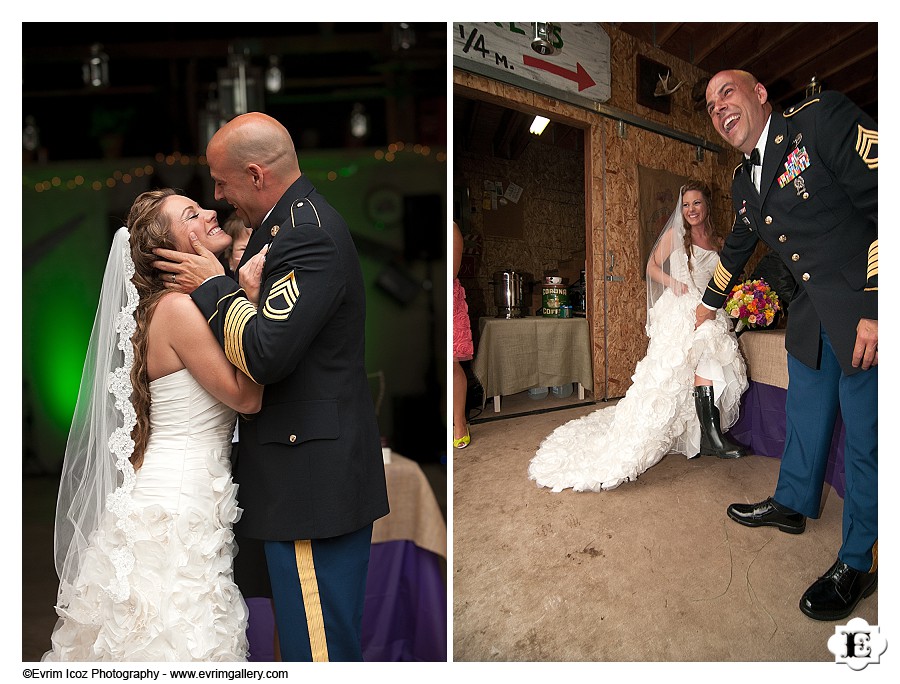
column 686, row 389
column 144, row 546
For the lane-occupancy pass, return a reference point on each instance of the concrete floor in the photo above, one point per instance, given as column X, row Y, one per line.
column 651, row 571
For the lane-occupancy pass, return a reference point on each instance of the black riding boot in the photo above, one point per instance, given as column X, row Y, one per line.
column 712, row 441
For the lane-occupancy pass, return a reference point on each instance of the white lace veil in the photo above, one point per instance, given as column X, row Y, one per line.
column 667, row 257
column 97, row 476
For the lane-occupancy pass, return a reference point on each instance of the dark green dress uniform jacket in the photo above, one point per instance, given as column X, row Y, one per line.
column 818, row 210
column 309, row 464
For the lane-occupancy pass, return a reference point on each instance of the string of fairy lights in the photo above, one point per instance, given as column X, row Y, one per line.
column 132, row 173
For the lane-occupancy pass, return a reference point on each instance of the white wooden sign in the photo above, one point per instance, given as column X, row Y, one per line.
column 579, row 66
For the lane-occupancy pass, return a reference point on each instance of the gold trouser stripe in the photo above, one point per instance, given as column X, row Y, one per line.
column 312, row 602
column 236, row 319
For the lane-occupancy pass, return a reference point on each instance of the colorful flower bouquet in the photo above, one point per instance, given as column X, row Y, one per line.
column 753, row 303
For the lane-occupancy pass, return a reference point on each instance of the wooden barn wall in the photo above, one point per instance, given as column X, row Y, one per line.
column 611, row 185
column 551, row 209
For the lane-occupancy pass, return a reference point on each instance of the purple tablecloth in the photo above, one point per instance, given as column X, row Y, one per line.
column 761, row 428
column 405, row 614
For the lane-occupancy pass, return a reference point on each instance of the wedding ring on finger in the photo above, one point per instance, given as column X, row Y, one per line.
column 174, row 277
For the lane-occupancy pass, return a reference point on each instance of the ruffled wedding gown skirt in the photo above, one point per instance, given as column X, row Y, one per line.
column 657, row 415
column 183, row 603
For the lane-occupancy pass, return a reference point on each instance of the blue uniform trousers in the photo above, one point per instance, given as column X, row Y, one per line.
column 813, row 400
column 319, row 589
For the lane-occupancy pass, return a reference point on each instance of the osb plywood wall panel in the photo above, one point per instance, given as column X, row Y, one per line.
column 617, row 310
column 551, row 208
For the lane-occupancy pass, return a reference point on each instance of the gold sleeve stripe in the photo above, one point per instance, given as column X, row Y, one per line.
column 312, row 602
column 872, row 267
column 236, row 319
column 865, row 141
column 232, row 294
column 721, row 277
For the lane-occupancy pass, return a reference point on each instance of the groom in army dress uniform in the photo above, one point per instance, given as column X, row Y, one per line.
column 309, row 464
column 808, row 188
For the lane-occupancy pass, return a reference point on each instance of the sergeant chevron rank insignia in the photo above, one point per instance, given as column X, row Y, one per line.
column 866, row 141
column 282, row 297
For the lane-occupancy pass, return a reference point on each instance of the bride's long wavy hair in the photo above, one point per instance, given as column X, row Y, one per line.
column 148, row 228
column 716, row 235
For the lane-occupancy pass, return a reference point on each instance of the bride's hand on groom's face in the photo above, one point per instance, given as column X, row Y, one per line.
column 183, row 272
column 250, row 275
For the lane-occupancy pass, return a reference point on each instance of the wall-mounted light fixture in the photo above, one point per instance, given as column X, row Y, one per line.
column 240, row 86
column 814, row 87
column 403, row 36
column 274, row 76
column 30, row 135
column 540, row 41
column 539, row 124
column 95, row 71
column 359, row 122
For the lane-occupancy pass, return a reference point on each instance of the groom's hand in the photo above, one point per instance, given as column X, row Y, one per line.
column 184, row 272
column 703, row 315
column 865, row 352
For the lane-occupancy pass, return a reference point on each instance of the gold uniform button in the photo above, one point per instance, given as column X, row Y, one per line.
column 805, row 195
column 275, row 230
column 782, row 238
column 768, row 220
column 805, row 276
column 795, row 257
column 293, row 438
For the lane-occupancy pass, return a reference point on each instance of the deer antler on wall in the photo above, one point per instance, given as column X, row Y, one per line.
column 663, row 89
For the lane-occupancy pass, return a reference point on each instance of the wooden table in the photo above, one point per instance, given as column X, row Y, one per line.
column 762, row 423
column 516, row 354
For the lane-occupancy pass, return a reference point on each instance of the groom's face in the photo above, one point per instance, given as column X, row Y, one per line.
column 738, row 107
column 232, row 185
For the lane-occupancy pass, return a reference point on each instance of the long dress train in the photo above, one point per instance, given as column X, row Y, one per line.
column 657, row 415
column 183, row 604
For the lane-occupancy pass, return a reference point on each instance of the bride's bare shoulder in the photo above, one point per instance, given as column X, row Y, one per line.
column 176, row 309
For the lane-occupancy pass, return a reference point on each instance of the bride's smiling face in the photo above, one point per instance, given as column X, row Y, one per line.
column 186, row 217
column 693, row 208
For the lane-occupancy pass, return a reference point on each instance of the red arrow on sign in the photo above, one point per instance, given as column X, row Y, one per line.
column 580, row 76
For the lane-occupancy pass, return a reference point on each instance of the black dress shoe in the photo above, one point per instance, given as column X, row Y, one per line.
column 835, row 594
column 767, row 514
